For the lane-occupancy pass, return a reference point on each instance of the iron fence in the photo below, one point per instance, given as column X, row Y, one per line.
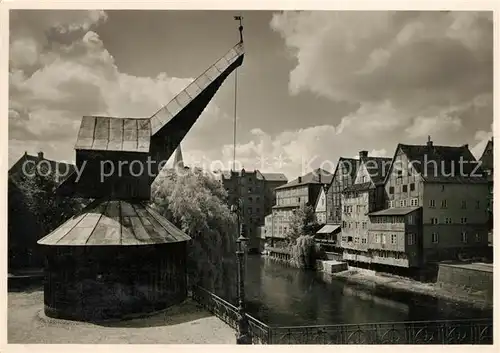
column 471, row 331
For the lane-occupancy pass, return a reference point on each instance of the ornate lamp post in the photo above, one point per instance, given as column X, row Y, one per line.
column 243, row 336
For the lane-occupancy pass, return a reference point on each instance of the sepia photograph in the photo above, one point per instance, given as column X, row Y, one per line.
column 284, row 177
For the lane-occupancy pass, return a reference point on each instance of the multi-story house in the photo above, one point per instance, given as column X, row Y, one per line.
column 344, row 175
column 486, row 160
column 320, row 207
column 255, row 190
column 302, row 191
column 436, row 208
column 365, row 195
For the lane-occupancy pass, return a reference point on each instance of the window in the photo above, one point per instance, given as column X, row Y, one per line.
column 464, row 237
column 343, row 224
column 249, row 209
column 393, row 238
column 357, row 224
column 364, row 225
column 391, row 204
column 391, row 190
column 377, row 238
column 411, row 238
column 432, row 203
column 411, row 219
column 435, row 238
column 464, row 204
column 463, row 220
column 412, row 187
column 478, row 238
column 363, row 240
column 444, row 204
column 414, row 202
column 349, row 239
column 442, row 187
column 434, row 220
column 447, row 220
column 405, row 188
column 298, row 199
column 404, row 203
column 249, row 190
column 250, row 199
column 383, row 239
column 478, row 204
column 344, row 238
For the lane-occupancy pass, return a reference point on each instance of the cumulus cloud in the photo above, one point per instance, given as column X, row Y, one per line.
column 53, row 86
column 413, row 73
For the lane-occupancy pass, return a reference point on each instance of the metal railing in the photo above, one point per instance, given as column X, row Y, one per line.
column 471, row 331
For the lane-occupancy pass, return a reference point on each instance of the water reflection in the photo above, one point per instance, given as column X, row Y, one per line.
column 281, row 295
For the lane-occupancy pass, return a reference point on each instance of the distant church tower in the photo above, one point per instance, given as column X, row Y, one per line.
column 178, row 161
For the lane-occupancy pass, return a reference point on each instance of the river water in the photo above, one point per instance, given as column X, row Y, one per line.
column 280, row 295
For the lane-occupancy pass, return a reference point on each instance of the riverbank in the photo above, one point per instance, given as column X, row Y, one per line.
column 395, row 284
column 186, row 323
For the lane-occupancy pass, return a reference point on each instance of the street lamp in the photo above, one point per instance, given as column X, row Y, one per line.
column 243, row 334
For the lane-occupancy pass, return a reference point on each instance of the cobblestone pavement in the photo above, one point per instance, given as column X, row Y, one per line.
column 185, row 323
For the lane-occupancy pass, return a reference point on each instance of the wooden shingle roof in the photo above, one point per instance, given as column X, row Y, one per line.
column 114, row 134
column 115, row 222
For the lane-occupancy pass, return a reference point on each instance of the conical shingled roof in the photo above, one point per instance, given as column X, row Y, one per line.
column 115, row 222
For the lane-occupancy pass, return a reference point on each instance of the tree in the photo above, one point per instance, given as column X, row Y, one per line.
column 303, row 222
column 195, row 202
column 303, row 249
column 35, row 210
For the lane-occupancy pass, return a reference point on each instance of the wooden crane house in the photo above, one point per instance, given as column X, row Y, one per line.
column 119, row 257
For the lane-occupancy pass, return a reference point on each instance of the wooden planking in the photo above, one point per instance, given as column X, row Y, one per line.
column 203, row 81
column 222, row 64
column 101, row 129
column 140, row 232
column 127, row 209
column 82, row 231
column 60, row 232
column 173, row 107
column 157, row 233
column 175, row 232
column 87, row 127
column 212, row 73
column 104, row 234
column 193, row 90
column 183, row 99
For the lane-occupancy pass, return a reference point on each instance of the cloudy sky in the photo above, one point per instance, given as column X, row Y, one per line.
column 314, row 86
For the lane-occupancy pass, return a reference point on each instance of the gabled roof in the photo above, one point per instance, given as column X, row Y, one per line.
column 113, row 222
column 377, row 168
column 487, row 156
column 353, row 169
column 274, row 177
column 58, row 169
column 322, row 192
column 359, row 187
column 259, row 175
column 104, row 133
column 310, row 178
column 394, row 211
column 448, row 159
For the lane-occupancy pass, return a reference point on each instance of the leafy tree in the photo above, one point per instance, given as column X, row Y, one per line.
column 303, row 222
column 195, row 202
column 303, row 249
column 34, row 211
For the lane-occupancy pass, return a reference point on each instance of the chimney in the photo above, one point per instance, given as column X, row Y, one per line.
column 40, row 155
column 429, row 141
column 300, row 179
column 363, row 154
column 466, row 146
column 319, row 177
